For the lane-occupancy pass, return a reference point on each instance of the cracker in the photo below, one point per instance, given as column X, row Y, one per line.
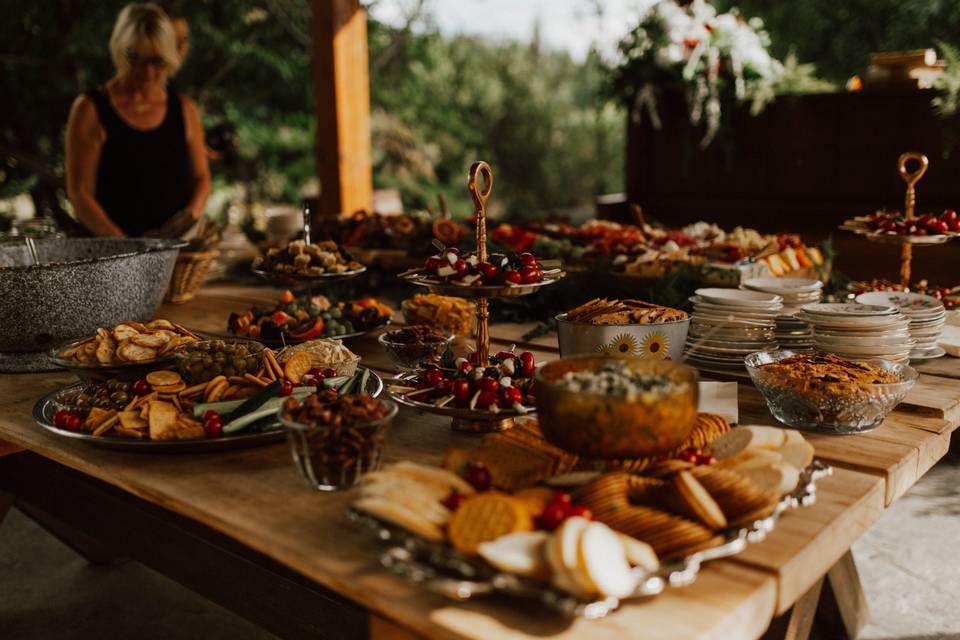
column 486, row 517
column 296, row 366
column 164, row 378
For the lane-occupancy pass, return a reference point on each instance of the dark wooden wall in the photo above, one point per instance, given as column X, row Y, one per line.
column 803, row 165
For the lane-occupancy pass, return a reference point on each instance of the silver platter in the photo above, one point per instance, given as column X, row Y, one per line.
column 441, row 569
column 888, row 238
column 49, row 404
column 463, row 291
column 293, row 278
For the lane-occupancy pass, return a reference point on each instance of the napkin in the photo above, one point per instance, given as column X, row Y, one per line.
column 719, row 398
column 950, row 339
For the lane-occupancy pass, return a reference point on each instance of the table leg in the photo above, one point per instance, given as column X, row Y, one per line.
column 6, row 503
column 843, row 610
column 796, row 623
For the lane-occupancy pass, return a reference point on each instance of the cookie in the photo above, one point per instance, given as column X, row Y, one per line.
column 486, row 517
column 645, row 490
column 605, row 494
column 733, row 493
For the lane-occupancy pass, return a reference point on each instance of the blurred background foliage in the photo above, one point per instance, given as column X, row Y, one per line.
column 438, row 102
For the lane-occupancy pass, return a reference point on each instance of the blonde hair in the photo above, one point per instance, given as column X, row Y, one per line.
column 139, row 24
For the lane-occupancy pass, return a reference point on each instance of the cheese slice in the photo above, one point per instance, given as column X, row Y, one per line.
column 739, row 440
column 521, row 553
column 603, row 562
column 780, row 479
column 639, row 554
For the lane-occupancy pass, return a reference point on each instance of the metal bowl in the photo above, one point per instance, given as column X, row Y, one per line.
column 79, row 285
column 831, row 407
column 608, row 426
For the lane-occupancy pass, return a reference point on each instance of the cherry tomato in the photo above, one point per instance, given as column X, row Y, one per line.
column 528, row 259
column 486, row 399
column 478, row 476
column 465, row 367
column 461, row 267
column 473, row 357
column 954, row 224
column 432, row 263
column 60, row 418
column 315, row 372
column 445, row 387
column 141, row 387
column 488, row 384
column 580, row 511
column 561, row 498
column 211, row 414
column 688, row 456
column 530, row 275
column 511, row 396
column 512, row 277
column 286, row 389
column 704, row 458
column 527, row 365
column 329, row 373
column 461, row 391
column 940, row 226
column 489, row 270
column 948, row 215
column 318, row 382
column 925, row 220
column 552, row 517
column 73, row 423
column 433, row 377
column 213, row 428
column 453, row 501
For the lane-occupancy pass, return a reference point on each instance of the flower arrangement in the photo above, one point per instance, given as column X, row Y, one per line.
column 717, row 58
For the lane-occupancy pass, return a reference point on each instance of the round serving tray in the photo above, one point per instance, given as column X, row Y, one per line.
column 888, row 238
column 441, row 569
column 462, row 417
column 463, row 291
column 292, row 278
column 94, row 372
column 44, row 409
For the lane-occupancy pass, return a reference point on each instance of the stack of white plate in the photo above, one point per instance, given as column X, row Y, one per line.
column 859, row 331
column 927, row 316
column 791, row 332
column 728, row 324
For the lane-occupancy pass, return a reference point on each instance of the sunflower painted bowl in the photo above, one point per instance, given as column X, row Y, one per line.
column 650, row 418
column 658, row 340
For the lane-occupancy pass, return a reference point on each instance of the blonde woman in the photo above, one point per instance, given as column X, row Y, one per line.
column 135, row 156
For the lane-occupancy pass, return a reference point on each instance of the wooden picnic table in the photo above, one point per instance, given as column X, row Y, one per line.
column 242, row 528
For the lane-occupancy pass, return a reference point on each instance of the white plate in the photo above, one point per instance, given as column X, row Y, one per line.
column 738, row 297
column 864, row 342
column 853, row 323
column 928, row 355
column 847, row 309
column 906, row 302
column 700, row 303
column 786, row 285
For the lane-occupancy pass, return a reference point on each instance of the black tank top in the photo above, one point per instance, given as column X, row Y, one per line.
column 143, row 178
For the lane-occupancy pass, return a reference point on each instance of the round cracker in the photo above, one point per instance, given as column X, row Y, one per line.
column 164, row 378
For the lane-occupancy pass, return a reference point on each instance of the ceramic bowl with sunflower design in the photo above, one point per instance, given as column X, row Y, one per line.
column 657, row 340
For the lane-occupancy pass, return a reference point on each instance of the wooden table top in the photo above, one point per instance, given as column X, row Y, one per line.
column 257, row 498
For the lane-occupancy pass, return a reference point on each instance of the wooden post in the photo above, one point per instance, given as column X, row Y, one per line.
column 342, row 90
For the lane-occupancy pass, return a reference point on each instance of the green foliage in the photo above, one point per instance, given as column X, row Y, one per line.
column 438, row 104
column 947, row 103
column 839, row 36
column 534, row 115
column 799, row 78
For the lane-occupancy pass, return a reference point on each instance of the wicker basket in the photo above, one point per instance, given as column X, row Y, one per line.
column 188, row 275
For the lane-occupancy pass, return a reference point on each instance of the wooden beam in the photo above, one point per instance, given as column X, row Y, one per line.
column 342, row 90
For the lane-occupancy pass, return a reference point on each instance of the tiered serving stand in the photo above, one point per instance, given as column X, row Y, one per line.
column 469, row 419
column 911, row 178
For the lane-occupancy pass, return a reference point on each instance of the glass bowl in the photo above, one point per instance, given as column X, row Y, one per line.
column 411, row 356
column 330, row 459
column 204, row 360
column 831, row 407
column 601, row 425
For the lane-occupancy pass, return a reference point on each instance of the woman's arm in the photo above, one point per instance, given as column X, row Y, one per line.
column 199, row 165
column 85, row 137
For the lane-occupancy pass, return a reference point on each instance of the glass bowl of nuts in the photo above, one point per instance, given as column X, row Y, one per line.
column 204, row 360
column 336, row 439
column 411, row 347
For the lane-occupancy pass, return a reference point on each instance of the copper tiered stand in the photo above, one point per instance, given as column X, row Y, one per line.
column 469, row 419
column 911, row 178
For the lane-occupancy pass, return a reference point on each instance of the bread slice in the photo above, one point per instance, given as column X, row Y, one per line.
column 521, row 554
column 601, row 559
